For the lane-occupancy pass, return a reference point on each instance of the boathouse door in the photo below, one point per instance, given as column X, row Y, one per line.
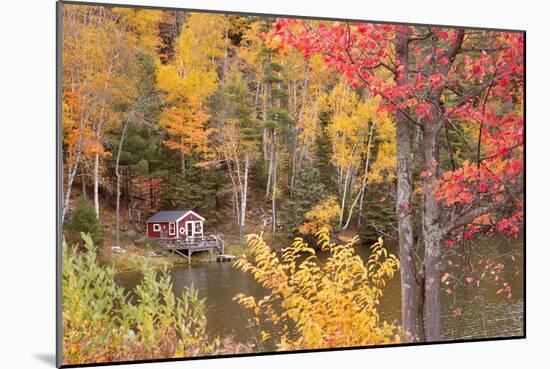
column 190, row 229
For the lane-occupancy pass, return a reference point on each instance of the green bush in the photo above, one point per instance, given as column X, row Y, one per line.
column 84, row 219
column 101, row 323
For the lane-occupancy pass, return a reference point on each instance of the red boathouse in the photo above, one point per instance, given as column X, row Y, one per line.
column 175, row 224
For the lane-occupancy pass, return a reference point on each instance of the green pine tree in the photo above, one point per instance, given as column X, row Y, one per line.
column 84, row 219
column 307, row 192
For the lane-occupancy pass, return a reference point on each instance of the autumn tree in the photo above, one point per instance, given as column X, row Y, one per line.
column 441, row 79
column 88, row 62
column 97, row 44
column 188, row 81
column 352, row 129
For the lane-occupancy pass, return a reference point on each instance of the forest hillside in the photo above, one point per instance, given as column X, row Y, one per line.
column 194, row 111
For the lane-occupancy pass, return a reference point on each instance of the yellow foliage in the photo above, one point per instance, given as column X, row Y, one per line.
column 186, row 129
column 168, row 79
column 99, row 64
column 320, row 305
column 321, row 216
column 250, row 51
column 189, row 80
column 349, row 130
column 315, row 101
column 143, row 24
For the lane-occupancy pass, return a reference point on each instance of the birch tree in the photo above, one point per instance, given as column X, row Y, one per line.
column 236, row 140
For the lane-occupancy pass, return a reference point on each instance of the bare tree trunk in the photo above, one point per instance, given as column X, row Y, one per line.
column 359, row 194
column 225, row 39
column 235, row 192
column 72, row 173
column 364, row 183
column 182, row 163
column 83, row 182
column 403, row 206
column 271, row 132
column 265, row 133
column 431, row 232
column 340, row 178
column 274, row 195
column 364, row 186
column 151, row 201
column 295, row 157
column 270, row 167
column 133, row 212
column 96, row 184
column 117, row 173
column 293, row 163
column 256, row 97
column 67, row 199
column 244, row 192
column 344, row 197
column 360, row 215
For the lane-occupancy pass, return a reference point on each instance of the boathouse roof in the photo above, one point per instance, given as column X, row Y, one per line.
column 171, row 215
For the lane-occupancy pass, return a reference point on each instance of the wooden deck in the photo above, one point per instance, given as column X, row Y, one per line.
column 186, row 247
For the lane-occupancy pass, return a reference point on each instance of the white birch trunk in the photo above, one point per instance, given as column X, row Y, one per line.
column 117, row 173
column 244, row 192
column 70, row 180
column 273, row 196
column 364, row 184
column 96, row 184
column 235, row 192
column 344, row 196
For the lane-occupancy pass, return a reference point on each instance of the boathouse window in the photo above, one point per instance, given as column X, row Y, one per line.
column 171, row 229
column 198, row 227
column 156, row 227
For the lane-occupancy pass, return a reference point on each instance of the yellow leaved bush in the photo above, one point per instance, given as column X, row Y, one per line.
column 315, row 303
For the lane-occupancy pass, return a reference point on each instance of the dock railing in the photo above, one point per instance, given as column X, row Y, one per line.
column 205, row 242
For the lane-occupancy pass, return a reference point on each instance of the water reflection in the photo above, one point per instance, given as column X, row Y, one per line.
column 483, row 312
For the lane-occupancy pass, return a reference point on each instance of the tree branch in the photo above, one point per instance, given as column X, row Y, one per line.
column 468, row 217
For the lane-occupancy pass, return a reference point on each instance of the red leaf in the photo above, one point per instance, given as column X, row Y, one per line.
column 482, row 187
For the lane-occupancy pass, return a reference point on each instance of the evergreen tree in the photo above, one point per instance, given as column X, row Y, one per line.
column 84, row 219
column 307, row 192
column 378, row 218
column 200, row 190
column 323, row 154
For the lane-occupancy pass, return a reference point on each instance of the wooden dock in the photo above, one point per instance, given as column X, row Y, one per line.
column 224, row 257
column 186, row 247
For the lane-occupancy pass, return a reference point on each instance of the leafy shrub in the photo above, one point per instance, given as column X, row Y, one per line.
column 320, row 305
column 322, row 215
column 84, row 219
column 101, row 323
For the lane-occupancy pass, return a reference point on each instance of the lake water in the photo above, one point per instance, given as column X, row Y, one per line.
column 483, row 312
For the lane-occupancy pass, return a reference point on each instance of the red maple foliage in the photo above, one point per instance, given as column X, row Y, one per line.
column 477, row 79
